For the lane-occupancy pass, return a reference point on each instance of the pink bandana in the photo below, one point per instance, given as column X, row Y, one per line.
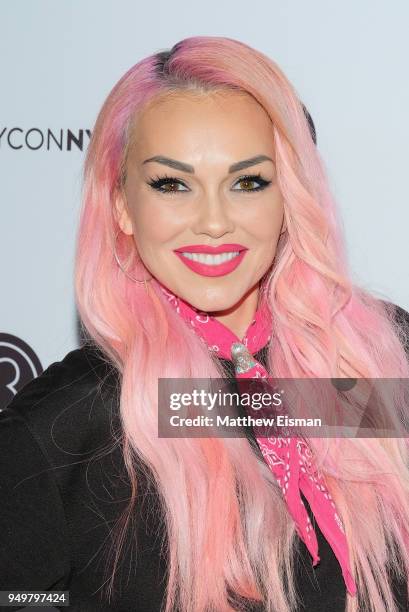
column 288, row 458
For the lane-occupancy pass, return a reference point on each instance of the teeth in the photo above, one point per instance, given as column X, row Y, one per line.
column 211, row 260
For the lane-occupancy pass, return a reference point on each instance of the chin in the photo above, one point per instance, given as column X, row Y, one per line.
column 209, row 304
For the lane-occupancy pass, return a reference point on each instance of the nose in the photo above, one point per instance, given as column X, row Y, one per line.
column 213, row 217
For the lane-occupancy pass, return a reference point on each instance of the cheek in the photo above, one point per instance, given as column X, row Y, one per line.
column 266, row 224
column 154, row 224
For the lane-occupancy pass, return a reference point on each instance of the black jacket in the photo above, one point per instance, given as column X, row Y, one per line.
column 63, row 484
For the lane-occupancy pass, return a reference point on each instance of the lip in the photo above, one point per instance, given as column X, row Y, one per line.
column 215, row 270
column 204, row 248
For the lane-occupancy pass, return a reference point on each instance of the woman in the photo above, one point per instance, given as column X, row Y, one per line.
column 202, row 150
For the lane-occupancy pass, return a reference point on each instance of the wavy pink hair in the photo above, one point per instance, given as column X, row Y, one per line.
column 227, row 524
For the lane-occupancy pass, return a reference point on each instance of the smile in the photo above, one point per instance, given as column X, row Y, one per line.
column 207, row 264
column 211, row 260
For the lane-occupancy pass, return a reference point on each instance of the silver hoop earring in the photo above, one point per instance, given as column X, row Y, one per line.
column 136, row 280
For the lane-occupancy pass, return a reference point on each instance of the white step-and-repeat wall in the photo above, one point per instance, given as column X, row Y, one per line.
column 60, row 58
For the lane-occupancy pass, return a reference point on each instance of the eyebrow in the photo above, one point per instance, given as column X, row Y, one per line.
column 178, row 165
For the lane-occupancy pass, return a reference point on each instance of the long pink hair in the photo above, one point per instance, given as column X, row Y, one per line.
column 227, row 524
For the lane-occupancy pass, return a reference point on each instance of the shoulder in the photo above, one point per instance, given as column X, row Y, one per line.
column 81, row 372
column 70, row 405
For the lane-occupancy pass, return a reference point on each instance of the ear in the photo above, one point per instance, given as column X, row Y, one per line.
column 122, row 214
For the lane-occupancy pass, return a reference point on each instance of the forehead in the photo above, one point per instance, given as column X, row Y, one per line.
column 191, row 121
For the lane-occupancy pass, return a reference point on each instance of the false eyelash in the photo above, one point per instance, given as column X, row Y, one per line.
column 158, row 182
column 254, row 177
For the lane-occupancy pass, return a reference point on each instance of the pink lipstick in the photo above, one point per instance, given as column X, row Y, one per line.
column 212, row 261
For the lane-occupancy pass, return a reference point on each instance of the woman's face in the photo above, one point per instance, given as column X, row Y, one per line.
column 191, row 182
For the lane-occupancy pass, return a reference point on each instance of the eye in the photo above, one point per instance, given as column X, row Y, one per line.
column 253, row 178
column 159, row 183
column 169, row 184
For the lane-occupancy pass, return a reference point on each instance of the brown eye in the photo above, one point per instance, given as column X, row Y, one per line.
column 170, row 186
column 248, row 181
column 161, row 184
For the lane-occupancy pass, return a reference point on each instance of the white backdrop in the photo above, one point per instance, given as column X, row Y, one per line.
column 59, row 59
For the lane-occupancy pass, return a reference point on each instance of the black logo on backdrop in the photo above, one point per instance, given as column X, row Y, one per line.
column 44, row 139
column 18, row 365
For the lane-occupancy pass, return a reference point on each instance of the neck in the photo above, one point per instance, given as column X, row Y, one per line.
column 238, row 317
